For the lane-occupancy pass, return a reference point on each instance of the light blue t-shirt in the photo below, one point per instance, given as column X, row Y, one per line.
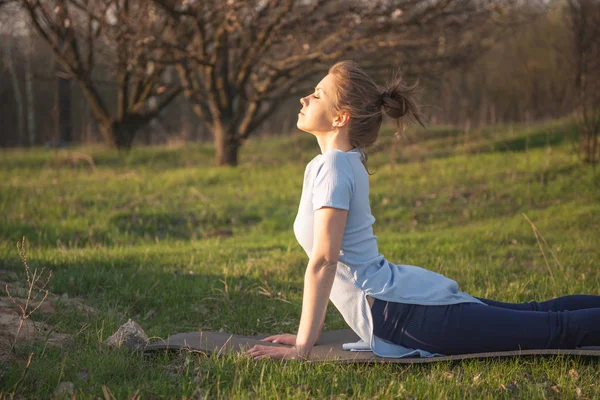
column 339, row 179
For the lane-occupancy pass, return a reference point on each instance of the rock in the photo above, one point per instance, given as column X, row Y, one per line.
column 129, row 334
column 64, row 388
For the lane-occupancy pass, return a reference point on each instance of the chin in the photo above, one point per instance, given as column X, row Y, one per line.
column 304, row 130
column 300, row 126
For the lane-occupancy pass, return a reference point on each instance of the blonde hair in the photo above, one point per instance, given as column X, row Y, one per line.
column 358, row 95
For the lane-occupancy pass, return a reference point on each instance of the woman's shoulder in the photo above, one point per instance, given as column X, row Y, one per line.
column 332, row 169
column 333, row 165
column 334, row 158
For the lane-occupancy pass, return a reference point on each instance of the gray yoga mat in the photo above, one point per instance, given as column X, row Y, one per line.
column 329, row 348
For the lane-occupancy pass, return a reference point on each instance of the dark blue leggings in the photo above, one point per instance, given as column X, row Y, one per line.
column 563, row 323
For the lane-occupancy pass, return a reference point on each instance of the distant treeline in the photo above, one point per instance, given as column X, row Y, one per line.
column 177, row 122
column 527, row 75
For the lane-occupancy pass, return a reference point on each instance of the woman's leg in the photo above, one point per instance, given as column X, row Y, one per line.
column 564, row 303
column 473, row 328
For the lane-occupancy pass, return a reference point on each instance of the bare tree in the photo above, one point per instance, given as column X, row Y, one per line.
column 29, row 92
column 17, row 90
column 238, row 60
column 9, row 31
column 584, row 21
column 84, row 33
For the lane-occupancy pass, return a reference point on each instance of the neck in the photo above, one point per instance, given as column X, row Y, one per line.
column 334, row 140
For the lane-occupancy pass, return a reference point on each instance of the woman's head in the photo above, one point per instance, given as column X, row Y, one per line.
column 351, row 92
column 318, row 114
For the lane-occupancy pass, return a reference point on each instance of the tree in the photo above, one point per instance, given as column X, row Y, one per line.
column 238, row 60
column 84, row 33
column 29, row 91
column 17, row 90
column 522, row 77
column 10, row 29
column 584, row 21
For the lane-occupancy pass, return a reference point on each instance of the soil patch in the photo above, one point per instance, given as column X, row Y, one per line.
column 15, row 329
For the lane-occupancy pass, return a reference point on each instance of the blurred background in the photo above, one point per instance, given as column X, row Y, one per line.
column 125, row 73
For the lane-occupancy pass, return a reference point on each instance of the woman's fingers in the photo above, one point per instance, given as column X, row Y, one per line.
column 286, row 339
column 257, row 352
column 257, row 349
column 277, row 352
column 269, row 339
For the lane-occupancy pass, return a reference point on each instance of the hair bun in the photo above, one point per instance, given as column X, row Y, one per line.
column 396, row 105
column 383, row 96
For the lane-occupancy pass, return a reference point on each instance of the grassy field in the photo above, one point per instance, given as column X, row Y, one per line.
column 161, row 233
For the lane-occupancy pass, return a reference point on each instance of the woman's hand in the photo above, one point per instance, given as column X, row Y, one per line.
column 282, row 353
column 278, row 353
column 285, row 338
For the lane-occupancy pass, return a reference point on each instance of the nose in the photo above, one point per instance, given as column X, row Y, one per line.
column 303, row 101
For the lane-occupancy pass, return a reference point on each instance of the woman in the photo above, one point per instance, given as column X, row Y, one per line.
column 397, row 310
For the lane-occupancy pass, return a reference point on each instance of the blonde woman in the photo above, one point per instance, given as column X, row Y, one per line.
column 396, row 310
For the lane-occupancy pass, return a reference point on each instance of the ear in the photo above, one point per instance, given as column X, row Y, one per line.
column 341, row 119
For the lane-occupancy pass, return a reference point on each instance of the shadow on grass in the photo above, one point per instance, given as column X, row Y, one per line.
column 533, row 141
column 128, row 228
column 173, row 225
column 45, row 235
column 162, row 158
column 425, row 144
column 167, row 297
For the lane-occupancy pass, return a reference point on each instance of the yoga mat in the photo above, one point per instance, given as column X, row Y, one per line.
column 329, row 348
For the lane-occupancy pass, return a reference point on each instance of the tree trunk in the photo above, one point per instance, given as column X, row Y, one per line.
column 63, row 103
column 31, row 124
column 226, row 147
column 120, row 134
column 17, row 93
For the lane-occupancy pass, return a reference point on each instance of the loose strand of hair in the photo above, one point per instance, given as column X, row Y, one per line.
column 404, row 95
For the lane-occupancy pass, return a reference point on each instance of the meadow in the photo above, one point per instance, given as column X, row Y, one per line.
column 161, row 236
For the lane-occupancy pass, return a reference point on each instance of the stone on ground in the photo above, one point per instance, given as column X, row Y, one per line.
column 131, row 335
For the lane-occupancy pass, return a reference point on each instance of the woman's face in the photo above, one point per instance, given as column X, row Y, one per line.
column 317, row 112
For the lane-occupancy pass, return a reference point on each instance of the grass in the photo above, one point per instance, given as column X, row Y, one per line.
column 141, row 233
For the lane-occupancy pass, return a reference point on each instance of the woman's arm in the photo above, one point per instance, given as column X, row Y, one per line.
column 329, row 224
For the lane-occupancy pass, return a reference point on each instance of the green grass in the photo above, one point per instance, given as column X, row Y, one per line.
column 136, row 235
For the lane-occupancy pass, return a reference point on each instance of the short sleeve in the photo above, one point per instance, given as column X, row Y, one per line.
column 333, row 185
